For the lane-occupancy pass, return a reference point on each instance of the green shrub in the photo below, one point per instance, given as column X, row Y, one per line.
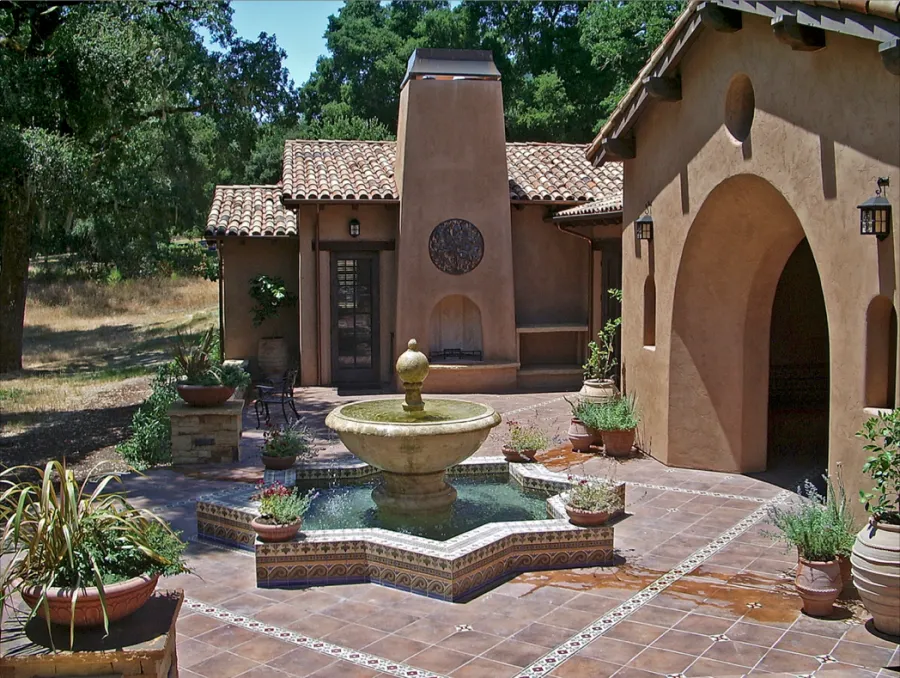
column 150, row 441
column 525, row 438
column 592, row 494
column 810, row 526
column 280, row 505
column 619, row 414
column 601, row 363
column 270, row 295
column 882, row 434
column 287, row 441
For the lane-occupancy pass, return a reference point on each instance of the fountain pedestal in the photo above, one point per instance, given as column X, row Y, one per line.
column 425, row 492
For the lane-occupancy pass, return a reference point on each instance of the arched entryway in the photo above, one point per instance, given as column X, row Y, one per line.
column 798, row 370
column 732, row 261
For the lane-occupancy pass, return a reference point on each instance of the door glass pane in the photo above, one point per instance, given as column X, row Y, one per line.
column 354, row 314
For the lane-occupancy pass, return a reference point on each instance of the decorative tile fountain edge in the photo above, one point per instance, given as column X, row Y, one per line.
column 452, row 570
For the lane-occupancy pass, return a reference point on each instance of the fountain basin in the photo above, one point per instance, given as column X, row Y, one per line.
column 413, row 449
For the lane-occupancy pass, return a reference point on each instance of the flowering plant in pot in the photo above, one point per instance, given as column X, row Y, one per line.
column 283, row 445
column 524, row 441
column 281, row 511
column 876, row 552
column 202, row 380
column 809, row 526
column 77, row 554
column 617, row 421
column 600, row 368
column 580, row 433
column 591, row 501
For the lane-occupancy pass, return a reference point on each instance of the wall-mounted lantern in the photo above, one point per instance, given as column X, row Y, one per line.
column 643, row 228
column 875, row 213
column 354, row 228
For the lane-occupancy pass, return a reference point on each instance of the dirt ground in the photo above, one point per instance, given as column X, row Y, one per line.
column 90, row 352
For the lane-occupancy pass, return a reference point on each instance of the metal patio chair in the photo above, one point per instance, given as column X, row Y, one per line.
column 276, row 393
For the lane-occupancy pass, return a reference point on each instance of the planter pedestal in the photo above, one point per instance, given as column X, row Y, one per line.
column 142, row 644
column 206, row 435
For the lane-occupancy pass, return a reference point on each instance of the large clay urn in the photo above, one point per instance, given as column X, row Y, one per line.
column 598, row 391
column 876, row 573
column 819, row 585
column 272, row 353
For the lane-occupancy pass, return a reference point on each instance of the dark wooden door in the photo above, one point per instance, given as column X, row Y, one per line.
column 354, row 318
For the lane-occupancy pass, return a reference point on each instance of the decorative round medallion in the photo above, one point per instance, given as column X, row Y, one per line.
column 456, row 246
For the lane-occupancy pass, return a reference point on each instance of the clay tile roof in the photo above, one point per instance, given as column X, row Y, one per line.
column 364, row 170
column 249, row 211
column 591, row 209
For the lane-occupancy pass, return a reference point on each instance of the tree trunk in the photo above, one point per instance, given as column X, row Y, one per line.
column 13, row 285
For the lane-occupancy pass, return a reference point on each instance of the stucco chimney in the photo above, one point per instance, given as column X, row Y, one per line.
column 451, row 165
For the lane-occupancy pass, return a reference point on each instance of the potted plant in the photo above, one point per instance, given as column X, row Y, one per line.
column 281, row 511
column 808, row 526
column 580, row 434
column 591, row 502
column 283, row 445
column 202, row 380
column 598, row 385
column 77, row 554
column 876, row 553
column 524, row 441
column 617, row 421
column 838, row 506
column 270, row 295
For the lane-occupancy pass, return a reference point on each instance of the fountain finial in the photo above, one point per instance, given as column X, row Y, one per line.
column 412, row 366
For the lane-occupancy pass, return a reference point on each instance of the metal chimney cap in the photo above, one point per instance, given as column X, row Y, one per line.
column 477, row 64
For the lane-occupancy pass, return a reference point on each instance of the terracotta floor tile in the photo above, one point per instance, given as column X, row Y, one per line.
column 280, row 614
column 629, row 672
column 501, row 625
column 388, row 620
column 354, row 636
column 470, row 642
column 263, row 672
column 569, row 618
column 596, row 605
column 704, row 624
column 677, row 600
column 612, row 650
column 858, row 633
column 632, row 632
column 301, row 662
column 805, row 643
column 192, row 652
column 708, row 667
column 349, row 610
column 439, row 659
column 841, row 670
column 657, row 616
column 681, row 641
column 778, row 661
column 485, row 668
column 316, row 625
column 515, row 653
column 426, row 631
column 858, row 654
column 731, row 652
column 196, row 624
column 755, row 634
column 227, row 637
column 543, row 634
column 661, row 661
column 263, row 648
column 395, row 648
column 223, row 665
column 342, row 669
column 585, row 667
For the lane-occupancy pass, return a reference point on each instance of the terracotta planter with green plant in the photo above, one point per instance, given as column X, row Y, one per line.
column 78, row 554
column 809, row 525
column 580, row 435
column 591, row 502
column 617, row 421
column 284, row 445
column 202, row 380
column 599, row 385
column 523, row 442
column 876, row 552
column 270, row 295
column 281, row 511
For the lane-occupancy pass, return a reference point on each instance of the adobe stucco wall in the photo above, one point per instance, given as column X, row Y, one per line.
column 242, row 259
column 727, row 217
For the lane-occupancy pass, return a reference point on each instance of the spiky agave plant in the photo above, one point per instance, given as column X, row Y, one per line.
column 61, row 534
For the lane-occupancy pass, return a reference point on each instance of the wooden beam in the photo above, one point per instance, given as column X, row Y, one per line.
column 797, row 36
column 663, row 88
column 355, row 245
column 890, row 55
column 720, row 19
column 619, row 148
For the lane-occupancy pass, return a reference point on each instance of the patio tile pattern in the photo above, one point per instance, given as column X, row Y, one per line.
column 250, row 211
column 735, row 613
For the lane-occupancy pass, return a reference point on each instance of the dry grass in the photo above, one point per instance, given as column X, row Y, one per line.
column 81, row 336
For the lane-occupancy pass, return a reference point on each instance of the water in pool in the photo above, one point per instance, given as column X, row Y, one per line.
column 479, row 502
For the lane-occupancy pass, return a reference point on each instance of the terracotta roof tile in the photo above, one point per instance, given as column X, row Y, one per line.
column 364, row 170
column 249, row 211
column 590, row 209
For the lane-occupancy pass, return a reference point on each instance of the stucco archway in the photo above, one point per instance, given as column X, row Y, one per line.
column 455, row 324
column 735, row 252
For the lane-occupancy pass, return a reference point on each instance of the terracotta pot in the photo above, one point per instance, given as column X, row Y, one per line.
column 204, row 396
column 818, row 585
column 597, row 436
column 272, row 355
column 846, row 575
column 587, row 518
column 278, row 463
column 580, row 435
column 876, row 573
column 513, row 456
column 122, row 599
column 618, row 443
column 599, row 390
column 276, row 533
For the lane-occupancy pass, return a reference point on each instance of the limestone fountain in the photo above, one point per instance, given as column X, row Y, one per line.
column 413, row 441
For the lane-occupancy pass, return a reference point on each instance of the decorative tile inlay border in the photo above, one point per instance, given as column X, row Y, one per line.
column 369, row 661
column 533, row 407
column 591, row 632
column 700, row 493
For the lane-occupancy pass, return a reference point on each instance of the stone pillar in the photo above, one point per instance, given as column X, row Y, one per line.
column 208, row 435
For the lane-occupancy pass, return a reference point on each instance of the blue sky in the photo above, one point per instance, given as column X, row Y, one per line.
column 299, row 26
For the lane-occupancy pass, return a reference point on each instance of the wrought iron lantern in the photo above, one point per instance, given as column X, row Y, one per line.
column 643, row 228
column 875, row 213
column 354, row 228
